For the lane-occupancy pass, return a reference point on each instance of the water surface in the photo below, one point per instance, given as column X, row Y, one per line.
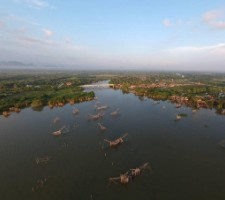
column 187, row 162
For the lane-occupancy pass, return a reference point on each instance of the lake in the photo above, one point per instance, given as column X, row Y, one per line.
column 186, row 160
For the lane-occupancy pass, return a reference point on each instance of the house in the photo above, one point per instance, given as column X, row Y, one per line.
column 132, row 87
column 221, row 95
column 68, row 83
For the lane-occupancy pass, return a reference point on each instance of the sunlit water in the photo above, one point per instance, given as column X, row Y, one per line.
column 186, row 160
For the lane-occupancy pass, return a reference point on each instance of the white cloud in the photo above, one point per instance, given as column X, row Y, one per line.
column 22, row 29
column 218, row 25
column 218, row 49
column 38, row 4
column 19, row 19
column 68, row 40
column 34, row 40
column 215, row 19
column 167, row 23
column 47, row 32
column 2, row 24
column 211, row 15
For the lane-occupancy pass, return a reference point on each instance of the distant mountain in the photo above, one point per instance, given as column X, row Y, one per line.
column 15, row 64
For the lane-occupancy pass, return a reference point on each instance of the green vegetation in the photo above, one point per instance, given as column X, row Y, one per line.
column 197, row 90
column 182, row 115
column 36, row 89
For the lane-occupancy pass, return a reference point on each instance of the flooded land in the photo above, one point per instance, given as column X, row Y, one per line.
column 79, row 149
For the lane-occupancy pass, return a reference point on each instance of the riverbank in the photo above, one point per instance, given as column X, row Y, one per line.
column 192, row 91
column 37, row 90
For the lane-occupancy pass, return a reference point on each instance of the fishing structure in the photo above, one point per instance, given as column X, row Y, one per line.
column 56, row 120
column 116, row 142
column 101, row 127
column 42, row 160
column 129, row 176
column 115, row 113
column 97, row 116
column 178, row 117
column 75, row 111
column 64, row 129
column 101, row 107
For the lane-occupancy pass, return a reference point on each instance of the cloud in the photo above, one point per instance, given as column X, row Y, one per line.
column 38, row 4
column 220, row 25
column 214, row 19
column 19, row 19
column 34, row 40
column 2, row 24
column 167, row 23
column 68, row 40
column 211, row 15
column 22, row 29
column 47, row 32
column 216, row 50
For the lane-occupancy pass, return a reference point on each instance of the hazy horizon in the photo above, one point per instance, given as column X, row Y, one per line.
column 114, row 35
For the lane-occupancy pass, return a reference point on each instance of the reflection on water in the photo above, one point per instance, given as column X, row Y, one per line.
column 186, row 160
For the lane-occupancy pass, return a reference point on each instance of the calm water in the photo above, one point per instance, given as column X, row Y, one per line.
column 187, row 163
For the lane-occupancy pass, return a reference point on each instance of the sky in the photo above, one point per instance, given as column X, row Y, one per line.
column 114, row 34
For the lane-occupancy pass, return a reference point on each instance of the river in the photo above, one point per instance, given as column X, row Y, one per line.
column 186, row 160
